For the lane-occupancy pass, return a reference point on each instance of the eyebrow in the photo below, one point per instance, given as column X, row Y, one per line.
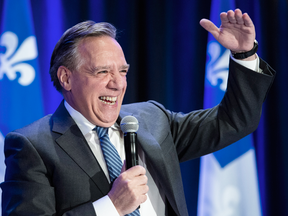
column 126, row 66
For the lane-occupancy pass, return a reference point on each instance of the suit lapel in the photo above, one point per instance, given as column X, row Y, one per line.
column 74, row 144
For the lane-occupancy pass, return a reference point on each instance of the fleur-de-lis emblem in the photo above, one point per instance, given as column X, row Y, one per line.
column 217, row 67
column 12, row 60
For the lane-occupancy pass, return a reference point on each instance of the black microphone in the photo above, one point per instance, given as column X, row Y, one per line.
column 129, row 126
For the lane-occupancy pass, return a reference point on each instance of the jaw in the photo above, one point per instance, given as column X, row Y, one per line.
column 108, row 109
column 106, row 113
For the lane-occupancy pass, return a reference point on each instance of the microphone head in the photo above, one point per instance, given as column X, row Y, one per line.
column 129, row 124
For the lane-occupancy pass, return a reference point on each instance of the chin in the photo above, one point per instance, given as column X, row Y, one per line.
column 107, row 122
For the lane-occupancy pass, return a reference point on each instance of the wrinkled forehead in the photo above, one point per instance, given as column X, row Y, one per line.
column 99, row 43
column 101, row 51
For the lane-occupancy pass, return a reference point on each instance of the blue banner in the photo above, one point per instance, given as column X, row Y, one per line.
column 20, row 92
column 228, row 178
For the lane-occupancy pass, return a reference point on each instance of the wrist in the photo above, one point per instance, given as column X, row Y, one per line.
column 249, row 55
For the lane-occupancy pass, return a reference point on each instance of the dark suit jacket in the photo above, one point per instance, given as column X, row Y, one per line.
column 52, row 171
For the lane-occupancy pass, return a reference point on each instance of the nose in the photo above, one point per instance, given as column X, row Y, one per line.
column 117, row 81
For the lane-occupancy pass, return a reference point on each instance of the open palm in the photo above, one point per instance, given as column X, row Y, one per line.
column 237, row 31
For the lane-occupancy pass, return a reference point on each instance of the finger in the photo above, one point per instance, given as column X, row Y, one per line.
column 210, row 27
column 136, row 171
column 237, row 10
column 231, row 16
column 238, row 17
column 247, row 20
column 224, row 18
column 143, row 198
column 141, row 180
column 143, row 190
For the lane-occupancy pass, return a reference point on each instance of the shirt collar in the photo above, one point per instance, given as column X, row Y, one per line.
column 84, row 125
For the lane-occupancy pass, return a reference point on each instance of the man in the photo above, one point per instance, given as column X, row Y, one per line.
column 55, row 166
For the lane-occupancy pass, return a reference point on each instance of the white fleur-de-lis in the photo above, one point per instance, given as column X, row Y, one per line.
column 12, row 62
column 217, row 67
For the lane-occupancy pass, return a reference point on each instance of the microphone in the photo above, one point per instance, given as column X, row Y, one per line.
column 129, row 126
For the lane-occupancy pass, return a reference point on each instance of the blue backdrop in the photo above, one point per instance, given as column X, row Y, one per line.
column 166, row 48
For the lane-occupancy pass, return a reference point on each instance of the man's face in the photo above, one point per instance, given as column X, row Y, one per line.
column 99, row 85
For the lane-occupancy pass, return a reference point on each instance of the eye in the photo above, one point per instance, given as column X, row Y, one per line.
column 124, row 72
column 102, row 72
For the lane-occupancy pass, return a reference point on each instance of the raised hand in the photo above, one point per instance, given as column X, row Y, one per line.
column 237, row 31
column 129, row 189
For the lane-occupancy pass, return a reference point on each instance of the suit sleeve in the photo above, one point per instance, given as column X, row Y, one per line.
column 27, row 190
column 205, row 131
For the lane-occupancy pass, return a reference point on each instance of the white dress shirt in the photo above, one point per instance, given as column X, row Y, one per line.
column 155, row 203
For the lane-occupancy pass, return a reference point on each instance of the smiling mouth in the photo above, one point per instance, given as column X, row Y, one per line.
column 108, row 100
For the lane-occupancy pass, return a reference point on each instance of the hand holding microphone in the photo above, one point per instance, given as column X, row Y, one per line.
column 129, row 126
column 130, row 188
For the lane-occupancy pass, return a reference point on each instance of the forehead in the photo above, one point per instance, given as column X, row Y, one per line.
column 100, row 51
column 99, row 45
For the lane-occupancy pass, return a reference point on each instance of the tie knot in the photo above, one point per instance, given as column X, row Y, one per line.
column 101, row 131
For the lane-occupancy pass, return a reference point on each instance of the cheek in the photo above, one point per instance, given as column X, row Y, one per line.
column 124, row 84
column 80, row 83
column 91, row 88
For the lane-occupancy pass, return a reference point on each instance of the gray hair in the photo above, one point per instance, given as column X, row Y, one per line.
column 65, row 52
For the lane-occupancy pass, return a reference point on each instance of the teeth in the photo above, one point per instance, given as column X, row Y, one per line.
column 108, row 100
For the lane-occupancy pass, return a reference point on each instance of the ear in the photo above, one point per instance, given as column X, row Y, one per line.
column 64, row 75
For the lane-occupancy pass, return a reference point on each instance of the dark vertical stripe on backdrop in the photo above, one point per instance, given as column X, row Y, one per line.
column 274, row 21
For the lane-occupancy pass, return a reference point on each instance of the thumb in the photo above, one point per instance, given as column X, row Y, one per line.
column 123, row 167
column 210, row 27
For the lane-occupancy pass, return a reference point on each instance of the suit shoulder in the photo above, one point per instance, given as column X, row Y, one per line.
column 36, row 127
column 148, row 106
column 149, row 112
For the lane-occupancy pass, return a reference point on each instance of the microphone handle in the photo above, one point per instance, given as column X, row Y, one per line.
column 131, row 151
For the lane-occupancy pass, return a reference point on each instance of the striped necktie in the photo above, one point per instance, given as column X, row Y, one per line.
column 112, row 158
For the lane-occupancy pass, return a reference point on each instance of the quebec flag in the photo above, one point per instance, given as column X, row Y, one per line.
column 20, row 93
column 228, row 183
